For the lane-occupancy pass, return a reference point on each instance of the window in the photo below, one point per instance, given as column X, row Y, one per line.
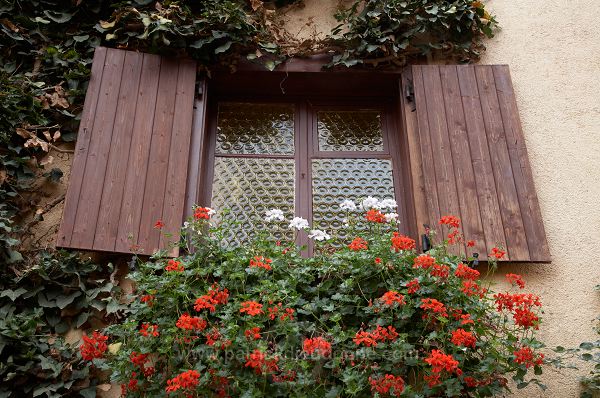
column 440, row 139
column 303, row 157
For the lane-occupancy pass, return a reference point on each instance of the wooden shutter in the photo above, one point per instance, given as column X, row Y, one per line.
column 131, row 159
column 468, row 158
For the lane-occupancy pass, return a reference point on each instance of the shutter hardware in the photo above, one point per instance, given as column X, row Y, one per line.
column 410, row 94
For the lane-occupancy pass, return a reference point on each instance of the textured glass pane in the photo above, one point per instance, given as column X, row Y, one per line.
column 335, row 180
column 255, row 129
column 350, row 131
column 250, row 187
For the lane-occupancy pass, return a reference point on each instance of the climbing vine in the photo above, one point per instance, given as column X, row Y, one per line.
column 46, row 50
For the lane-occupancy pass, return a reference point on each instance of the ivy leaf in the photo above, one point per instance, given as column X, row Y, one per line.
column 13, row 294
column 41, row 20
column 586, row 346
column 58, row 17
column 433, row 10
column 223, row 48
column 81, row 38
column 63, row 301
column 89, row 392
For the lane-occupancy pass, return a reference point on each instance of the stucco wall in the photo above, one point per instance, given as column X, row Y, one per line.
column 553, row 50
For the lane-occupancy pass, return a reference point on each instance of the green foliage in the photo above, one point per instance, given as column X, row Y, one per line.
column 36, row 308
column 394, row 31
column 46, row 49
column 335, row 295
column 588, row 354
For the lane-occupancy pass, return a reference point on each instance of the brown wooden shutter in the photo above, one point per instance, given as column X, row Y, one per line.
column 468, row 158
column 131, row 158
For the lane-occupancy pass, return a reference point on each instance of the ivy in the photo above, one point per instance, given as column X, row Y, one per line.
column 46, row 50
column 37, row 307
column 376, row 32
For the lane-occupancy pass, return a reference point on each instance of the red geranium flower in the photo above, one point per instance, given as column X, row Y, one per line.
column 391, row 297
column 259, row 362
column 317, row 344
column 187, row 322
column 375, row 215
column 441, row 271
column 187, row 380
column 423, row 261
column 465, row 272
column 174, row 265
column 159, row 224
column 470, row 243
column 388, row 384
column 148, row 330
column 370, row 339
column 515, row 279
column 252, row 333
column 202, row 213
column 450, row 221
column 401, row 242
column 525, row 355
column 470, row 288
column 148, row 299
column 251, row 308
column 434, row 307
column 413, row 286
column 358, row 244
column 288, row 314
column 464, row 338
column 261, row 262
column 94, row 346
column 440, row 362
column 210, row 300
column 497, row 253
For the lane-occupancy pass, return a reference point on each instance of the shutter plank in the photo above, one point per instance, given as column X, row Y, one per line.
column 112, row 193
column 81, row 148
column 480, row 156
column 516, row 239
column 466, row 185
column 440, row 145
column 137, row 166
column 173, row 207
column 428, row 166
column 154, row 191
column 97, row 159
column 530, row 209
column 410, row 129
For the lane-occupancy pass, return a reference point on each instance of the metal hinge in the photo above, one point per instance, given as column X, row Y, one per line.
column 409, row 93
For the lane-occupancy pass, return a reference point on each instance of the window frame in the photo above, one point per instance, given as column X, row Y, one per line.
column 306, row 108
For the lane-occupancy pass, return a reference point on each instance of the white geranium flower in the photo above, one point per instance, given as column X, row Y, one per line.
column 391, row 216
column 210, row 211
column 298, row 223
column 388, row 204
column 317, row 234
column 274, row 214
column 370, row 203
column 348, row 205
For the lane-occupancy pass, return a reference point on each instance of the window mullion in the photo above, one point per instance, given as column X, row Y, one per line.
column 302, row 156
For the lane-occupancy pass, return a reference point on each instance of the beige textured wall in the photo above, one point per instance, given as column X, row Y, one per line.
column 553, row 50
